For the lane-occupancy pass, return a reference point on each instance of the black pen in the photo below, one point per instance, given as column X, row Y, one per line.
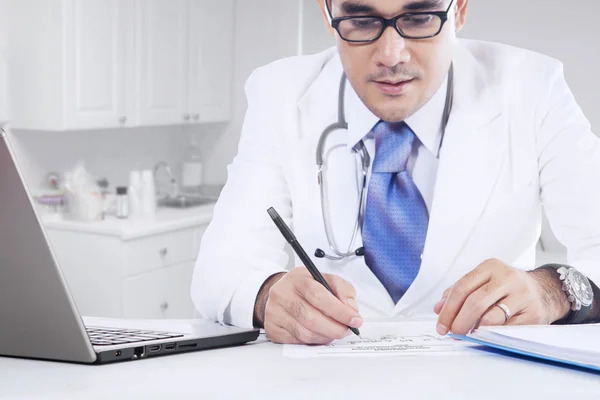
column 291, row 239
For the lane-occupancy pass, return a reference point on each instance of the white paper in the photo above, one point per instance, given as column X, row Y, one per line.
column 560, row 336
column 576, row 344
column 385, row 339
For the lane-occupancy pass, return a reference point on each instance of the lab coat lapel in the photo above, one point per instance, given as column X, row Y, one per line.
column 317, row 110
column 318, row 104
column 473, row 153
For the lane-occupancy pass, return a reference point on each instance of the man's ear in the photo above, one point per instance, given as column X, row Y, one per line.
column 461, row 14
column 325, row 16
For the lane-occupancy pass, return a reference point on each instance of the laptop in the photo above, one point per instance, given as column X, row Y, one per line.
column 38, row 317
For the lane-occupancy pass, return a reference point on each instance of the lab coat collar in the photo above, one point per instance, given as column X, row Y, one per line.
column 318, row 104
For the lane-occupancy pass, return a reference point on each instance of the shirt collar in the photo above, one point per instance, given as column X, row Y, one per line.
column 426, row 123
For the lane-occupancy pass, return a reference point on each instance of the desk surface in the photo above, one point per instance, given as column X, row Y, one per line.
column 258, row 370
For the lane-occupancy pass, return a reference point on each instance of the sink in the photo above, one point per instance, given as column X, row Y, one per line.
column 182, row 201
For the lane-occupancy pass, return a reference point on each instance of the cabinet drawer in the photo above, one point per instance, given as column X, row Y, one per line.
column 164, row 293
column 144, row 297
column 158, row 251
column 178, row 283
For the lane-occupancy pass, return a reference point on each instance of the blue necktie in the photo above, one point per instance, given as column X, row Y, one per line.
column 396, row 218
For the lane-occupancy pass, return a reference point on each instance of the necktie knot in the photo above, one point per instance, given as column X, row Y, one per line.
column 393, row 146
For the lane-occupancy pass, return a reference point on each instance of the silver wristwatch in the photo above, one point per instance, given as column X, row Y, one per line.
column 577, row 286
column 579, row 290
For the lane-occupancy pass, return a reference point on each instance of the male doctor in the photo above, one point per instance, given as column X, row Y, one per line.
column 464, row 141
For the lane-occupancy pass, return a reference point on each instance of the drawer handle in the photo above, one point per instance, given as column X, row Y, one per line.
column 163, row 252
column 164, row 306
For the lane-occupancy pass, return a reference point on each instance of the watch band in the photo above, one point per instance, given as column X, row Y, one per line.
column 574, row 316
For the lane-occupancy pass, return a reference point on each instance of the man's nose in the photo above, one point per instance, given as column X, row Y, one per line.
column 391, row 49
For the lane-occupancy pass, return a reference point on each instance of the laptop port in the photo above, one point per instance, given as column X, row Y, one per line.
column 154, row 349
column 118, row 353
column 188, row 346
column 169, row 346
column 139, row 352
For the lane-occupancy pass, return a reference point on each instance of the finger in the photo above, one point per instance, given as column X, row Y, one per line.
column 343, row 290
column 320, row 298
column 437, row 308
column 277, row 313
column 521, row 319
column 495, row 316
column 459, row 293
column 447, row 292
column 478, row 303
column 312, row 319
column 300, row 332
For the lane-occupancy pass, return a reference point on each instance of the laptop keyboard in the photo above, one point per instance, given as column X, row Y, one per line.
column 111, row 336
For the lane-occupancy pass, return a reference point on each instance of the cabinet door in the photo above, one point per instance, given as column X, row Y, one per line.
column 161, row 61
column 178, row 282
column 94, row 63
column 164, row 293
column 211, row 42
column 144, row 296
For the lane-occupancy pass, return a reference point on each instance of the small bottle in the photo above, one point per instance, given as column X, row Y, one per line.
column 191, row 168
column 122, row 204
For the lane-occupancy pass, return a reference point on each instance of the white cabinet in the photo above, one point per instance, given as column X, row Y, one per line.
column 90, row 64
column 66, row 63
column 210, row 83
column 164, row 293
column 161, row 61
column 148, row 277
column 95, row 62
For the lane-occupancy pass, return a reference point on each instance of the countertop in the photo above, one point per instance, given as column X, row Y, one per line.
column 166, row 219
column 260, row 370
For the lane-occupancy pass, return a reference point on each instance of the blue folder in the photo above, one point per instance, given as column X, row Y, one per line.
column 549, row 355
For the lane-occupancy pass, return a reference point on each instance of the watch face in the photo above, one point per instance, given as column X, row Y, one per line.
column 582, row 290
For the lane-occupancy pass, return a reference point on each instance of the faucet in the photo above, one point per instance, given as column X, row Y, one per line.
column 173, row 192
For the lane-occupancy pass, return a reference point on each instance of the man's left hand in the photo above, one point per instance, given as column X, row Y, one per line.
column 532, row 298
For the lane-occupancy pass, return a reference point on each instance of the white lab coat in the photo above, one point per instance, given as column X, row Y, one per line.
column 516, row 139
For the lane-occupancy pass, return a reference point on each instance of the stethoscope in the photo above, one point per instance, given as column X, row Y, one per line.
column 365, row 158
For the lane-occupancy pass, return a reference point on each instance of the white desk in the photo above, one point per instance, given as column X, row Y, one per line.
column 259, row 370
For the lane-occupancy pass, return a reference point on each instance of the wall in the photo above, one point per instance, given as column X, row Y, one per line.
column 109, row 153
column 315, row 37
column 568, row 31
column 265, row 31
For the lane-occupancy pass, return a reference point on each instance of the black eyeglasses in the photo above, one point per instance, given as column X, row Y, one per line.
column 414, row 25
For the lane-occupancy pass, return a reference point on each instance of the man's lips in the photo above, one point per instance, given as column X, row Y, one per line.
column 394, row 88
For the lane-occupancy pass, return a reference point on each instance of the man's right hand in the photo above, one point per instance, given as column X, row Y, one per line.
column 299, row 310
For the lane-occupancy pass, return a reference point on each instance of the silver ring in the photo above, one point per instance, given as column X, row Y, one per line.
column 505, row 310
